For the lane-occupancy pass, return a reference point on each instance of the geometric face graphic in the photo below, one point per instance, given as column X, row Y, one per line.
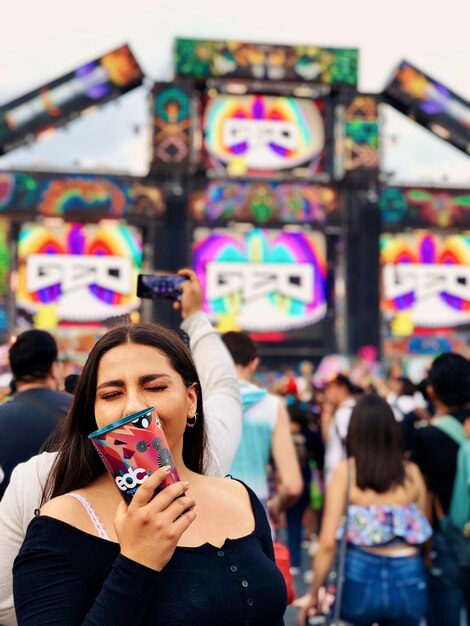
column 86, row 272
column 261, row 280
column 262, row 134
column 425, row 281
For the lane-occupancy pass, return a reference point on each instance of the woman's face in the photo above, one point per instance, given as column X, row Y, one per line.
column 132, row 377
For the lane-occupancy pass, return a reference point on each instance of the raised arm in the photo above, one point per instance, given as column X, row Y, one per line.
column 21, row 498
column 220, row 390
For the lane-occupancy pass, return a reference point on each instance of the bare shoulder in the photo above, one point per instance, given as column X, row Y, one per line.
column 230, row 488
column 413, row 472
column 69, row 510
column 411, row 469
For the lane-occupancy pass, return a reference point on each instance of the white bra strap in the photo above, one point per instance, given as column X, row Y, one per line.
column 92, row 515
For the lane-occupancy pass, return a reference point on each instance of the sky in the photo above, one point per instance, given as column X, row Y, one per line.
column 42, row 40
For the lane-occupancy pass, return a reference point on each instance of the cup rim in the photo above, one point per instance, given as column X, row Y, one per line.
column 120, row 422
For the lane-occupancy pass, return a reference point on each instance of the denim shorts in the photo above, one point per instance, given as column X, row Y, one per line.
column 391, row 591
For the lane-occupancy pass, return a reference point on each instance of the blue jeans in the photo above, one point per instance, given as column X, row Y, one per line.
column 449, row 589
column 391, row 591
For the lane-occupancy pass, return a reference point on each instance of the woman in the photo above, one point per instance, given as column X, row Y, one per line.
column 385, row 579
column 93, row 560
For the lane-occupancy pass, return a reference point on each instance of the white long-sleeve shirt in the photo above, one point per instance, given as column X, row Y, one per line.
column 223, row 419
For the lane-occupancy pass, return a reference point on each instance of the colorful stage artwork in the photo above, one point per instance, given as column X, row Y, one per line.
column 425, row 282
column 425, row 347
column 261, row 281
column 78, row 195
column 171, row 113
column 259, row 135
column 4, row 276
column 359, row 145
column 418, row 206
column 265, row 202
column 78, row 273
column 431, row 104
column 4, row 256
column 64, row 98
column 199, row 58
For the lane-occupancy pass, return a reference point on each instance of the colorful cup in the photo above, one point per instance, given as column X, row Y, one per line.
column 132, row 448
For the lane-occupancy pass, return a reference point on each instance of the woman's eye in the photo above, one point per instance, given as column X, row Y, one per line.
column 156, row 388
column 111, row 395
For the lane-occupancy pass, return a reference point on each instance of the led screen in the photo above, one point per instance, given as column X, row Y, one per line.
column 4, row 277
column 203, row 58
column 261, row 281
column 431, row 104
column 260, row 135
column 425, row 282
column 56, row 102
column 77, row 196
column 424, row 207
column 78, row 273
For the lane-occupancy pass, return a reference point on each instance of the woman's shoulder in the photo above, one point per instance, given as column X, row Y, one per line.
column 342, row 469
column 70, row 510
column 232, row 492
column 230, row 487
column 412, row 471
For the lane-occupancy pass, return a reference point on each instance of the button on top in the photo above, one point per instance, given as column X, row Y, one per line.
column 233, row 568
column 244, row 583
column 221, row 553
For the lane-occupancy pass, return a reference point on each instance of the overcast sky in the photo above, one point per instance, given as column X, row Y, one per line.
column 43, row 40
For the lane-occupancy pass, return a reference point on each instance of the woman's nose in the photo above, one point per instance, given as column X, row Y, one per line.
column 135, row 402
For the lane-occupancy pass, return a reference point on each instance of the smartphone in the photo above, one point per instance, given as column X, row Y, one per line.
column 160, row 286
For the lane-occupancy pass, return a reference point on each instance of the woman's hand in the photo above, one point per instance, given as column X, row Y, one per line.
column 191, row 294
column 307, row 606
column 149, row 528
column 317, row 602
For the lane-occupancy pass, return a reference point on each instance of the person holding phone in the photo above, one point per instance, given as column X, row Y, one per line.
column 223, row 412
column 198, row 553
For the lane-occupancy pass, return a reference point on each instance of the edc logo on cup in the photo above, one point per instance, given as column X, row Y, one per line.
column 131, row 479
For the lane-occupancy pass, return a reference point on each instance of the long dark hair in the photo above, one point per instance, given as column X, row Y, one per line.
column 77, row 463
column 374, row 441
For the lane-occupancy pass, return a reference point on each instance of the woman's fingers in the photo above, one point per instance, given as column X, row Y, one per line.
column 187, row 272
column 184, row 521
column 163, row 499
column 178, row 507
column 145, row 492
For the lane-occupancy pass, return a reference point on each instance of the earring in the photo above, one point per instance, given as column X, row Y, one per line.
column 191, row 422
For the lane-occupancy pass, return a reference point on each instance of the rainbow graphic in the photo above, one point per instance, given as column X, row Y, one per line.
column 428, row 276
column 261, row 280
column 88, row 271
column 257, row 133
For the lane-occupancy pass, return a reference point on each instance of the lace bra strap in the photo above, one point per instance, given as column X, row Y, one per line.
column 92, row 515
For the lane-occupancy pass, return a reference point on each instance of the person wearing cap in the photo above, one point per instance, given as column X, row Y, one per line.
column 339, row 403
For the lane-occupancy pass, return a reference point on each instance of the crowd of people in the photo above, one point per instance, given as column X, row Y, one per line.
column 373, row 478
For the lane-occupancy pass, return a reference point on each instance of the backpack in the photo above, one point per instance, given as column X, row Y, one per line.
column 456, row 525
